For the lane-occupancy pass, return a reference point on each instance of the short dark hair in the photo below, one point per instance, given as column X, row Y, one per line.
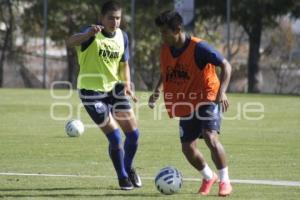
column 110, row 6
column 171, row 18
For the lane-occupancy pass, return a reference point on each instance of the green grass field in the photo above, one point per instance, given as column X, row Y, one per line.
column 32, row 142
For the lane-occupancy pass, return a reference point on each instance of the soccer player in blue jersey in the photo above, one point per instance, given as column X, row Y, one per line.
column 104, row 87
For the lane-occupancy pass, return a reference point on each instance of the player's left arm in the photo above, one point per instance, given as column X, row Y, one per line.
column 205, row 54
column 224, row 82
column 124, row 71
column 125, row 76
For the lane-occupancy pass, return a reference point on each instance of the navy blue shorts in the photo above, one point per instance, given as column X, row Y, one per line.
column 99, row 104
column 206, row 117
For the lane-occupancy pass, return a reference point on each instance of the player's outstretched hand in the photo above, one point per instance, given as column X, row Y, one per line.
column 152, row 99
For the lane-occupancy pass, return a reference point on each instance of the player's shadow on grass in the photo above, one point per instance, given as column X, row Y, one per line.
column 53, row 192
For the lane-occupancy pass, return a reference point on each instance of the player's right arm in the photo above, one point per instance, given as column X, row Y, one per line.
column 79, row 38
column 156, row 92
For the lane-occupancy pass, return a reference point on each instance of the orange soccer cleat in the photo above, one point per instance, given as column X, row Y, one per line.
column 225, row 189
column 207, row 184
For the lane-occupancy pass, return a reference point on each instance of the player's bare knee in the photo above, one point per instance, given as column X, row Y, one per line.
column 187, row 148
column 108, row 125
column 211, row 137
column 128, row 125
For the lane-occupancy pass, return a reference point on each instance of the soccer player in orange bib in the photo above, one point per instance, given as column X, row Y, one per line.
column 194, row 93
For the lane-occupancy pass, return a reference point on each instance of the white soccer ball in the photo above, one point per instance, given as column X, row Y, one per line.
column 74, row 128
column 168, row 180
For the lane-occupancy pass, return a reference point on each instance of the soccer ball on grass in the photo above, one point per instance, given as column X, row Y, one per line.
column 74, row 128
column 168, row 180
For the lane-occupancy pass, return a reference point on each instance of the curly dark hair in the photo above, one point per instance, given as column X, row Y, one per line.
column 171, row 18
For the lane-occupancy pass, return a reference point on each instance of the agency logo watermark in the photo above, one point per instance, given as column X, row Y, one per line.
column 252, row 111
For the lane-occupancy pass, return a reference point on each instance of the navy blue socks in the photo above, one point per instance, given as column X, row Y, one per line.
column 122, row 163
column 116, row 152
column 130, row 147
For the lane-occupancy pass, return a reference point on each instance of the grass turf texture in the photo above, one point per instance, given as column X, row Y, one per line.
column 32, row 142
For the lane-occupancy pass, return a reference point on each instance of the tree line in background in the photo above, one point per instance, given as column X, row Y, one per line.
column 251, row 17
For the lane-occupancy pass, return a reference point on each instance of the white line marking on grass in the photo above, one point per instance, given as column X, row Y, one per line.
column 256, row 182
column 259, row 182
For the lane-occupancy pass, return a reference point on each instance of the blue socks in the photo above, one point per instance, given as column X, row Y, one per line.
column 122, row 163
column 130, row 147
column 116, row 152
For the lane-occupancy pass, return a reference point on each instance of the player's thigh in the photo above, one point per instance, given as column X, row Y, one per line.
column 126, row 120
column 118, row 100
column 121, row 109
column 210, row 118
column 97, row 105
column 189, row 129
column 97, row 110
